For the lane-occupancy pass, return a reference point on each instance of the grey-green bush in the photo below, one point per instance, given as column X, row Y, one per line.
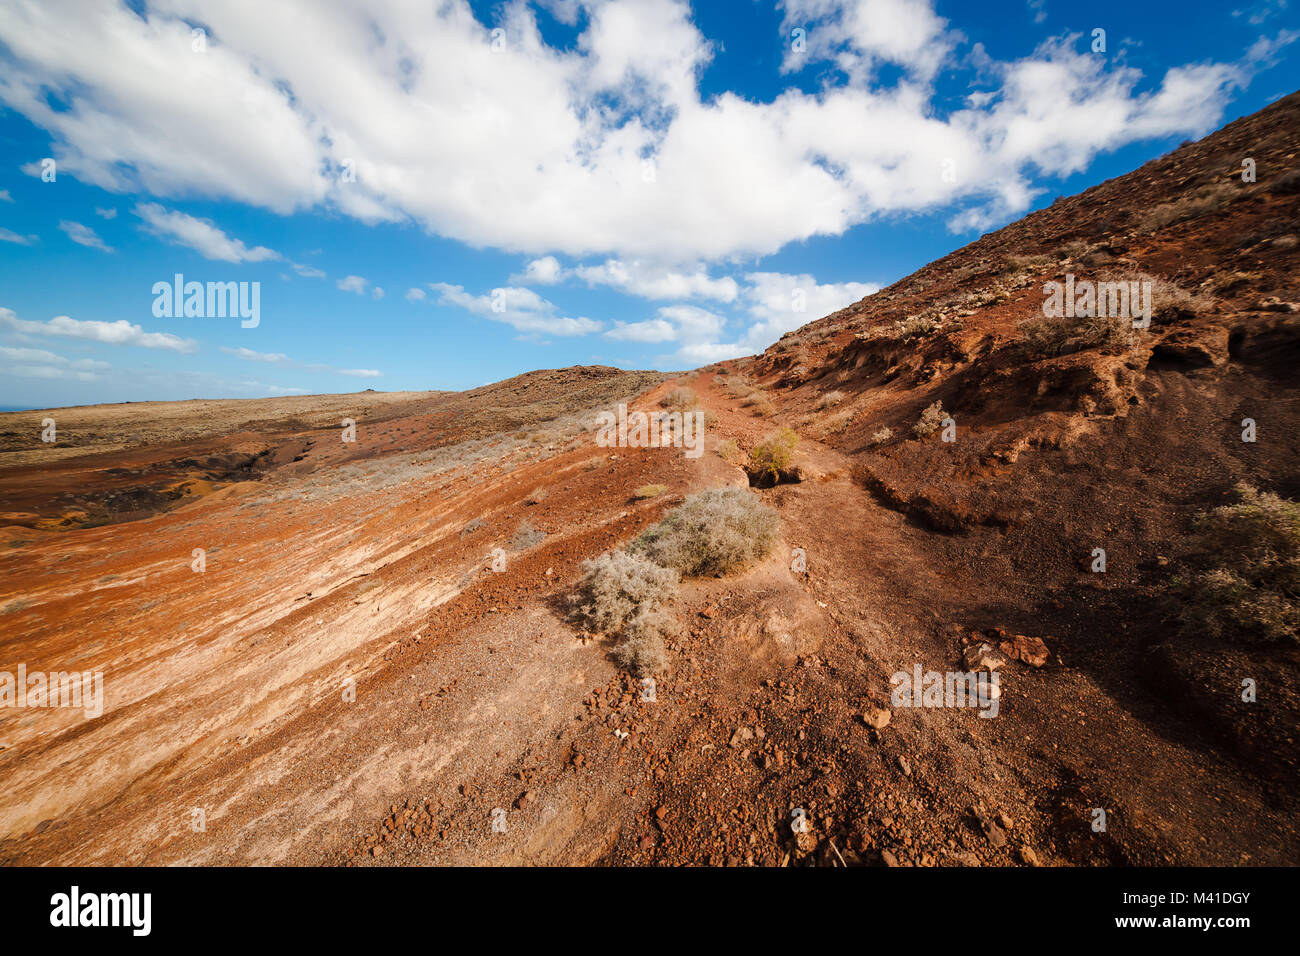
column 642, row 649
column 711, row 532
column 616, row 585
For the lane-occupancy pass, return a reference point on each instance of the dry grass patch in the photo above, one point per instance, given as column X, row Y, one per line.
column 730, row 452
column 772, row 456
column 679, row 399
column 1246, row 585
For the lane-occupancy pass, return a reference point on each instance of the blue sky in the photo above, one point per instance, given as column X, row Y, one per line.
column 439, row 196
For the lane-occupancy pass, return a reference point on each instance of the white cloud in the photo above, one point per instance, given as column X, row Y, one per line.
column 201, row 235
column 651, row 330
column 279, row 358
column 544, row 271
column 656, row 282
column 83, row 235
column 781, row 302
column 120, row 332
column 51, row 372
column 109, row 212
column 415, row 295
column 604, row 148
column 353, row 284
column 273, row 358
column 694, row 329
column 521, row 308
column 50, row 358
column 703, row 353
column 308, row 272
column 8, row 235
column 376, row 293
column 859, row 35
column 5, row 197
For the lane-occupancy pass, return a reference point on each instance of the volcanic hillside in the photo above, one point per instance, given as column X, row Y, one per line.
column 379, row 663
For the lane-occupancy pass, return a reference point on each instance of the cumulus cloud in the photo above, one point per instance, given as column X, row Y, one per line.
column 656, row 282
column 695, row 331
column 544, row 271
column 521, row 308
column 83, row 235
column 5, row 197
column 201, row 235
column 353, row 284
column 606, row 147
column 781, row 303
column 861, row 36
column 120, row 332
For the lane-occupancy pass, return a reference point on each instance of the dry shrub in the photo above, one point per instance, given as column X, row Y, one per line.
column 930, row 421
column 1046, row 336
column 1170, row 300
column 882, row 436
column 649, row 491
column 830, row 400
column 616, row 586
column 738, row 387
column 915, row 327
column 679, row 399
column 772, row 456
column 1246, row 585
column 642, row 650
column 526, row 536
column 712, row 532
column 1207, row 200
column 730, row 452
column 763, row 407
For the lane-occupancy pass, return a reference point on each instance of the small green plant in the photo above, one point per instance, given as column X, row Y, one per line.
column 1246, row 582
column 649, row 491
column 712, row 532
column 930, row 421
column 772, row 456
